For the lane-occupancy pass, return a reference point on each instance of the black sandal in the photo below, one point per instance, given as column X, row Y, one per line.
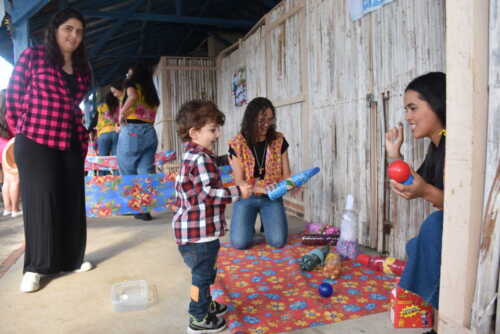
column 430, row 332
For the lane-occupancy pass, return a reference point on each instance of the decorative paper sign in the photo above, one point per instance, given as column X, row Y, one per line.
column 119, row 195
column 239, row 87
column 358, row 8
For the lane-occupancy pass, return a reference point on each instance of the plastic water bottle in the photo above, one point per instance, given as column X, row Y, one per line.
column 347, row 245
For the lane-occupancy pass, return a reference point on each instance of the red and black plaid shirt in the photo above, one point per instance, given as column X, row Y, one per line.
column 40, row 104
column 201, row 197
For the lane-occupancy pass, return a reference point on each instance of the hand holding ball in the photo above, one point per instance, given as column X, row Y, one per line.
column 399, row 171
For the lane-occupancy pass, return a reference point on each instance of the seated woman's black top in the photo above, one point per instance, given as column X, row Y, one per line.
column 432, row 169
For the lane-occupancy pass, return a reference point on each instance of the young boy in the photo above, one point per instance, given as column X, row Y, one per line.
column 201, row 200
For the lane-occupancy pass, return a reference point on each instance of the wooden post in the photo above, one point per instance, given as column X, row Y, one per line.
column 467, row 97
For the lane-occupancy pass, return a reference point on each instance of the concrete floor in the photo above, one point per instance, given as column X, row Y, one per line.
column 122, row 249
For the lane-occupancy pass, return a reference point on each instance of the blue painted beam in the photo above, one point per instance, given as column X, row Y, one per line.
column 20, row 37
column 178, row 7
column 245, row 24
column 6, row 50
column 116, row 27
column 220, row 39
column 269, row 3
column 110, row 74
column 21, row 10
column 63, row 4
column 133, row 56
column 91, row 4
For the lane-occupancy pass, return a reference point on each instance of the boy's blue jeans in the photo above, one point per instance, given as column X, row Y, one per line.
column 136, row 149
column 272, row 215
column 201, row 258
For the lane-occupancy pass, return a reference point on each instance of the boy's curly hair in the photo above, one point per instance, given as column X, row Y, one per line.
column 196, row 114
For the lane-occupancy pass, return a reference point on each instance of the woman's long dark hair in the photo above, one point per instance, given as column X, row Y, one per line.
column 143, row 76
column 112, row 103
column 249, row 122
column 432, row 88
column 54, row 55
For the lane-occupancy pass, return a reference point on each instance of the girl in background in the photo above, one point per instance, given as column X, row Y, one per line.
column 10, row 188
column 137, row 141
column 107, row 122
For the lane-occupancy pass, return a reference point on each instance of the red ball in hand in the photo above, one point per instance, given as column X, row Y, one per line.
column 398, row 171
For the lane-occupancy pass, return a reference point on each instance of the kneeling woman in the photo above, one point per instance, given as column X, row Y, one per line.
column 259, row 156
column 425, row 106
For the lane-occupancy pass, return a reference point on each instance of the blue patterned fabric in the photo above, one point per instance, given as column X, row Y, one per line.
column 129, row 194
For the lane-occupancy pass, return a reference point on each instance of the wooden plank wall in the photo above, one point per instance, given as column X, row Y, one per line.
column 318, row 66
column 179, row 80
column 486, row 294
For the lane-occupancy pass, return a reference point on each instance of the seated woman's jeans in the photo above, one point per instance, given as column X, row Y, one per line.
column 423, row 268
column 136, row 149
column 272, row 215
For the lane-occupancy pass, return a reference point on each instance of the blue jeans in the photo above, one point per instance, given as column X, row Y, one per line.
column 201, row 259
column 106, row 143
column 423, row 268
column 136, row 149
column 272, row 215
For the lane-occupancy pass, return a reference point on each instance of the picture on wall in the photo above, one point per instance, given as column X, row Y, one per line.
column 239, row 87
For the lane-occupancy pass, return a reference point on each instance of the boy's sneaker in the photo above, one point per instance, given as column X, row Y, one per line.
column 210, row 324
column 217, row 308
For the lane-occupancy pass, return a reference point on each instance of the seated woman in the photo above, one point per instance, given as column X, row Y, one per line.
column 258, row 155
column 425, row 105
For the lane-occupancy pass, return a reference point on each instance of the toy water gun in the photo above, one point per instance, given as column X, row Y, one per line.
column 314, row 258
column 388, row 265
column 399, row 171
column 292, row 182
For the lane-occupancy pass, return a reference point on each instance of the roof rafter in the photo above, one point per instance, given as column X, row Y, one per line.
column 116, row 27
column 245, row 24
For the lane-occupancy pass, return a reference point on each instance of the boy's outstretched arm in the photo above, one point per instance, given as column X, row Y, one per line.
column 207, row 172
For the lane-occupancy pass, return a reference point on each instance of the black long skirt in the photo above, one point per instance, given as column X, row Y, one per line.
column 53, row 198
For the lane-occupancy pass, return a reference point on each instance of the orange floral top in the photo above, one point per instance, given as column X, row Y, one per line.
column 273, row 164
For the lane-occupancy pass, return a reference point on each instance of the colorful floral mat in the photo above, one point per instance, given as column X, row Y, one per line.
column 268, row 293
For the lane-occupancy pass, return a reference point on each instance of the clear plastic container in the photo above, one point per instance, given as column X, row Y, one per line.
column 130, row 296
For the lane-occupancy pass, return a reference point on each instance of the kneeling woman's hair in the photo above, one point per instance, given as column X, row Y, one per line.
column 249, row 122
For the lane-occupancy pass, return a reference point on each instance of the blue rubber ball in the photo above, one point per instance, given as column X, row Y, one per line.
column 325, row 290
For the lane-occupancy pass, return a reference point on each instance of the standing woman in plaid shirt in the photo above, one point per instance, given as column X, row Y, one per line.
column 47, row 85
